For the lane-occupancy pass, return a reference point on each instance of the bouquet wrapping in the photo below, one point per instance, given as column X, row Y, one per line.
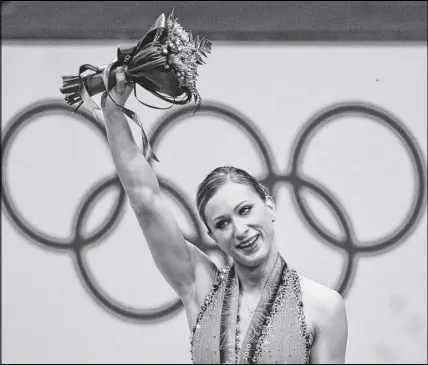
column 165, row 62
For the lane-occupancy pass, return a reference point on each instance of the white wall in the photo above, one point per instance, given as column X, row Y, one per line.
column 48, row 314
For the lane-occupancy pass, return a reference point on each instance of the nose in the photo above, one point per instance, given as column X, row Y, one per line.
column 240, row 229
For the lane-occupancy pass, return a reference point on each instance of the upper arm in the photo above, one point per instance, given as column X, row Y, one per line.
column 331, row 333
column 181, row 264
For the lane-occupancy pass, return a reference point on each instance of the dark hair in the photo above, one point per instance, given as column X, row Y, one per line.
column 220, row 176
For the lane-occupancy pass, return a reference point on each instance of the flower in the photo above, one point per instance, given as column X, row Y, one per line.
column 165, row 62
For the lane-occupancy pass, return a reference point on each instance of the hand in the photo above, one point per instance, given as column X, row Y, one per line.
column 120, row 92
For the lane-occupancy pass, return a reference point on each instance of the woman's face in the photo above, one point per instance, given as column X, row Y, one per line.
column 241, row 223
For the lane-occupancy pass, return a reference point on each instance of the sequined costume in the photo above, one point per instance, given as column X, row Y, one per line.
column 277, row 332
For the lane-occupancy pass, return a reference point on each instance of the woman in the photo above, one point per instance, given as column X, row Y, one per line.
column 257, row 309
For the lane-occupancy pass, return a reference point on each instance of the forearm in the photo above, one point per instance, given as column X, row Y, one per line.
column 135, row 172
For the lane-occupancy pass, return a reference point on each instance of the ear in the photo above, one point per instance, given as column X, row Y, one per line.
column 270, row 204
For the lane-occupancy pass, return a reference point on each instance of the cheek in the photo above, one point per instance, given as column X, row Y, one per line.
column 264, row 218
column 268, row 226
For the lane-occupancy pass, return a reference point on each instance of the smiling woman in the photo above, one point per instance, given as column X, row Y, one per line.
column 258, row 309
column 238, row 213
column 258, row 297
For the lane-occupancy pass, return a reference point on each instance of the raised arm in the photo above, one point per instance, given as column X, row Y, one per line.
column 178, row 260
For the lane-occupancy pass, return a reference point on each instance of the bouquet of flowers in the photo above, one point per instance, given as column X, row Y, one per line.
column 164, row 62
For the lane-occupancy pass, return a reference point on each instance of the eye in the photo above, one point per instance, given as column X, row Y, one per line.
column 245, row 210
column 221, row 225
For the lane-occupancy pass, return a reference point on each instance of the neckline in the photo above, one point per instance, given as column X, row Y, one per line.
column 239, row 351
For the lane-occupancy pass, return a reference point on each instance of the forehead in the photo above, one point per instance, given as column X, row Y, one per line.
column 227, row 197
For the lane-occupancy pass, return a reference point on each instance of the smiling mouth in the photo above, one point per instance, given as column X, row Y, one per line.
column 248, row 243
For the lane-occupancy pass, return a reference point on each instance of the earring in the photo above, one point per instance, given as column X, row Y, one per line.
column 273, row 217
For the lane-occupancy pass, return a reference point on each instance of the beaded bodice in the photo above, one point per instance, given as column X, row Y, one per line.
column 278, row 333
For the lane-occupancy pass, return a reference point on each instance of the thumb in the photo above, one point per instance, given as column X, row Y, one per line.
column 120, row 79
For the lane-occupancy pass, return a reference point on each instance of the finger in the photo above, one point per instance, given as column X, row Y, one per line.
column 120, row 79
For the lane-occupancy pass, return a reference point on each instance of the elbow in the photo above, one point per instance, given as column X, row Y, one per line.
column 144, row 200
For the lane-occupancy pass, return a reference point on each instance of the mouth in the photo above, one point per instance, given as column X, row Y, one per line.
column 249, row 243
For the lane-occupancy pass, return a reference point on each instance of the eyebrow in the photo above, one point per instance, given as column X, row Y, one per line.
column 224, row 216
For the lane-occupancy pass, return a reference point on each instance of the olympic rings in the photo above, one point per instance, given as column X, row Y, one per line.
column 78, row 243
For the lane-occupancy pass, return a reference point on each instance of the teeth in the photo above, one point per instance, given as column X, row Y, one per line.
column 249, row 243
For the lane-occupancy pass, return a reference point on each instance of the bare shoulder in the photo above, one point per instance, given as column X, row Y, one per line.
column 322, row 295
column 322, row 304
column 325, row 312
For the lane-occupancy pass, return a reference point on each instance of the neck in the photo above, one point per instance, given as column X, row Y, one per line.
column 253, row 279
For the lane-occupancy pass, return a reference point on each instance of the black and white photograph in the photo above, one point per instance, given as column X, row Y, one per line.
column 214, row 182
